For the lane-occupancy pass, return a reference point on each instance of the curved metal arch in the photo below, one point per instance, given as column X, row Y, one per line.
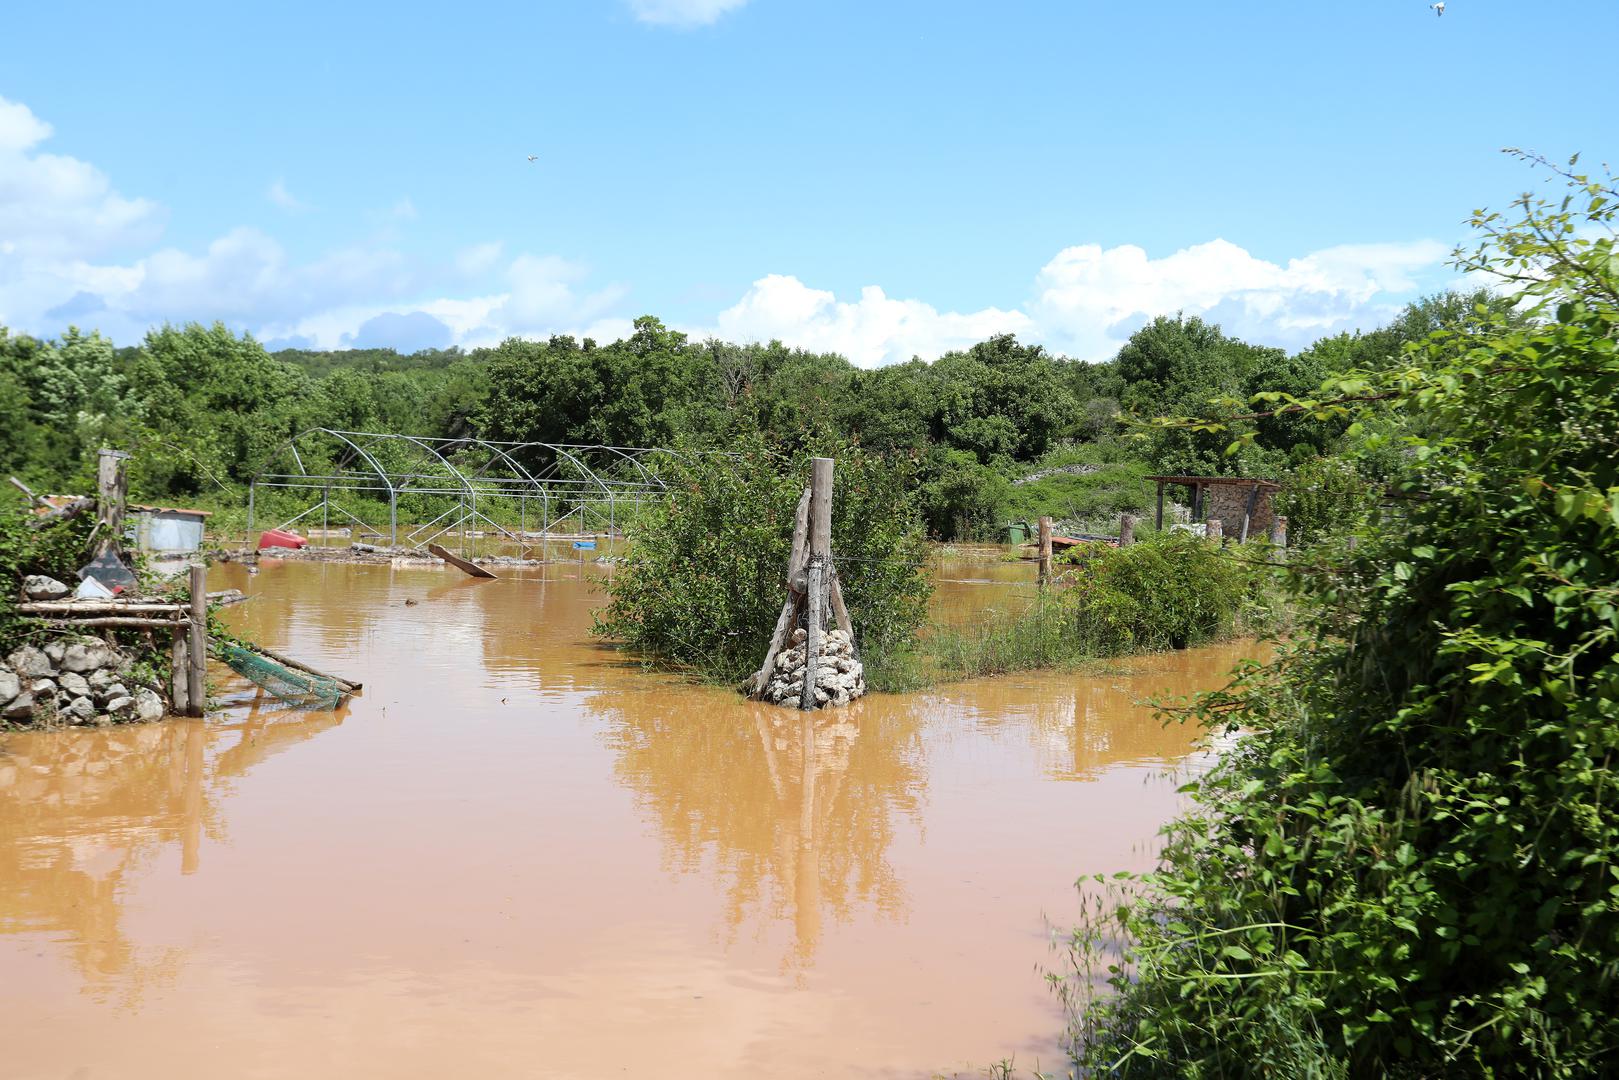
column 586, row 469
column 417, row 441
column 341, row 436
column 503, row 455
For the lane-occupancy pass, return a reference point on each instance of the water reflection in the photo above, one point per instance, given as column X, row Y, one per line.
column 83, row 811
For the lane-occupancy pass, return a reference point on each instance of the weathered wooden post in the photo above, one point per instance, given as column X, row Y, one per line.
column 1214, row 529
column 197, row 647
column 1127, row 530
column 820, row 552
column 1278, row 536
column 112, row 489
column 1045, row 551
column 180, row 676
column 1248, row 514
column 1159, row 520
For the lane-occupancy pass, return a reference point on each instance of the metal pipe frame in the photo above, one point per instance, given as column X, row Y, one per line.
column 574, row 482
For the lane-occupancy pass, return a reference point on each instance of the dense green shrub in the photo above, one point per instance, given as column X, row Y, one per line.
column 57, row 550
column 1410, row 865
column 1166, row 592
column 1325, row 497
column 703, row 581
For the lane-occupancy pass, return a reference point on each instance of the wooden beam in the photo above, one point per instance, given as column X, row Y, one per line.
column 839, row 611
column 820, row 537
column 1127, row 530
column 462, row 564
column 111, row 496
column 812, row 626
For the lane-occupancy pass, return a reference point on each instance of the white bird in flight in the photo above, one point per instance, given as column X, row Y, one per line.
column 536, row 157
column 1439, row 8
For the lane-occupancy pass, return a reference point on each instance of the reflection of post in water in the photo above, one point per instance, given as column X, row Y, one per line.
column 85, row 811
column 792, row 820
column 807, row 916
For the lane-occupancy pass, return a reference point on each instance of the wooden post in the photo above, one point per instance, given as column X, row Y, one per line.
column 812, row 627
column 1045, row 551
column 1197, row 502
column 1278, row 539
column 839, row 610
column 1248, row 513
column 1159, row 521
column 1214, row 529
column 111, row 494
column 179, row 679
column 1127, row 530
column 197, row 660
column 820, row 555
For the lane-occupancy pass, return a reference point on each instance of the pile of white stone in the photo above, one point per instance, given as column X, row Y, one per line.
column 77, row 681
column 839, row 678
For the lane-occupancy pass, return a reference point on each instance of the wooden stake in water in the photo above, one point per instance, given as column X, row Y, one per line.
column 812, row 626
column 197, row 660
column 1045, row 551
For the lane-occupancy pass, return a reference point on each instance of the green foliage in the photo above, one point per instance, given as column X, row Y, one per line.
column 1409, row 866
column 704, row 579
column 1089, row 484
column 1325, row 497
column 57, row 550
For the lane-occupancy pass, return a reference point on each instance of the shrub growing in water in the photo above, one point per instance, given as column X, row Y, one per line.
column 1411, row 864
column 703, row 581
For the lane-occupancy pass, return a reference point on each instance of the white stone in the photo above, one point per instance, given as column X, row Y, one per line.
column 10, row 685
column 40, row 587
column 118, row 706
column 74, row 684
column 21, row 708
column 85, row 656
column 29, row 662
column 54, row 651
column 79, row 710
column 148, row 706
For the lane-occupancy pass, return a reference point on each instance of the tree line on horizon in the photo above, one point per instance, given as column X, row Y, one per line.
column 204, row 407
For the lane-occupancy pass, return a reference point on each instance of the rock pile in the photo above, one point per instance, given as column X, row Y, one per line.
column 839, row 677
column 77, row 682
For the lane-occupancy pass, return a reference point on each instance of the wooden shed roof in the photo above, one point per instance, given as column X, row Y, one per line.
column 1238, row 481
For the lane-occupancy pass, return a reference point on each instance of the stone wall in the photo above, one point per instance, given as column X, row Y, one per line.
column 1228, row 501
column 73, row 681
column 839, row 676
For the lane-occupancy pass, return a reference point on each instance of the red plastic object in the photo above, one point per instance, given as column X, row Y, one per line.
column 274, row 538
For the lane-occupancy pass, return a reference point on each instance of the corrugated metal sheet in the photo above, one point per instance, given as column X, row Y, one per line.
column 169, row 530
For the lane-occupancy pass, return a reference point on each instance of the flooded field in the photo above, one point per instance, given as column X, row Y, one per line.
column 516, row 854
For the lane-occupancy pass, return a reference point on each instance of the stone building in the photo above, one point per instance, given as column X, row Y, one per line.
column 1242, row 505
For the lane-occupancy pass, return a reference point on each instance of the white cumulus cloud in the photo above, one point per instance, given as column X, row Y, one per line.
column 682, row 12
column 1087, row 300
column 876, row 329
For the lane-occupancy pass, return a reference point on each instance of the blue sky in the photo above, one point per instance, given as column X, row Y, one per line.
column 884, row 179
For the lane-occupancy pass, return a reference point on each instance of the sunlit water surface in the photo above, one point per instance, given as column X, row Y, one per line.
column 516, row 854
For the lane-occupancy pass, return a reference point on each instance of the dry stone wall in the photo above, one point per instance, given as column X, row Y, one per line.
column 839, row 675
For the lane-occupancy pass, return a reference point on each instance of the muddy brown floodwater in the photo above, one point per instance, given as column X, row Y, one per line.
column 518, row 855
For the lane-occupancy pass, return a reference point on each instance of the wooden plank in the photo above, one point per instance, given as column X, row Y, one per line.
column 820, row 540
column 459, row 563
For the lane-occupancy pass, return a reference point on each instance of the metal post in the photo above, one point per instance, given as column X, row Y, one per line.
column 393, row 518
column 252, row 487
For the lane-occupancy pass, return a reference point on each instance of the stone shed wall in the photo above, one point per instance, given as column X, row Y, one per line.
column 1228, row 501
